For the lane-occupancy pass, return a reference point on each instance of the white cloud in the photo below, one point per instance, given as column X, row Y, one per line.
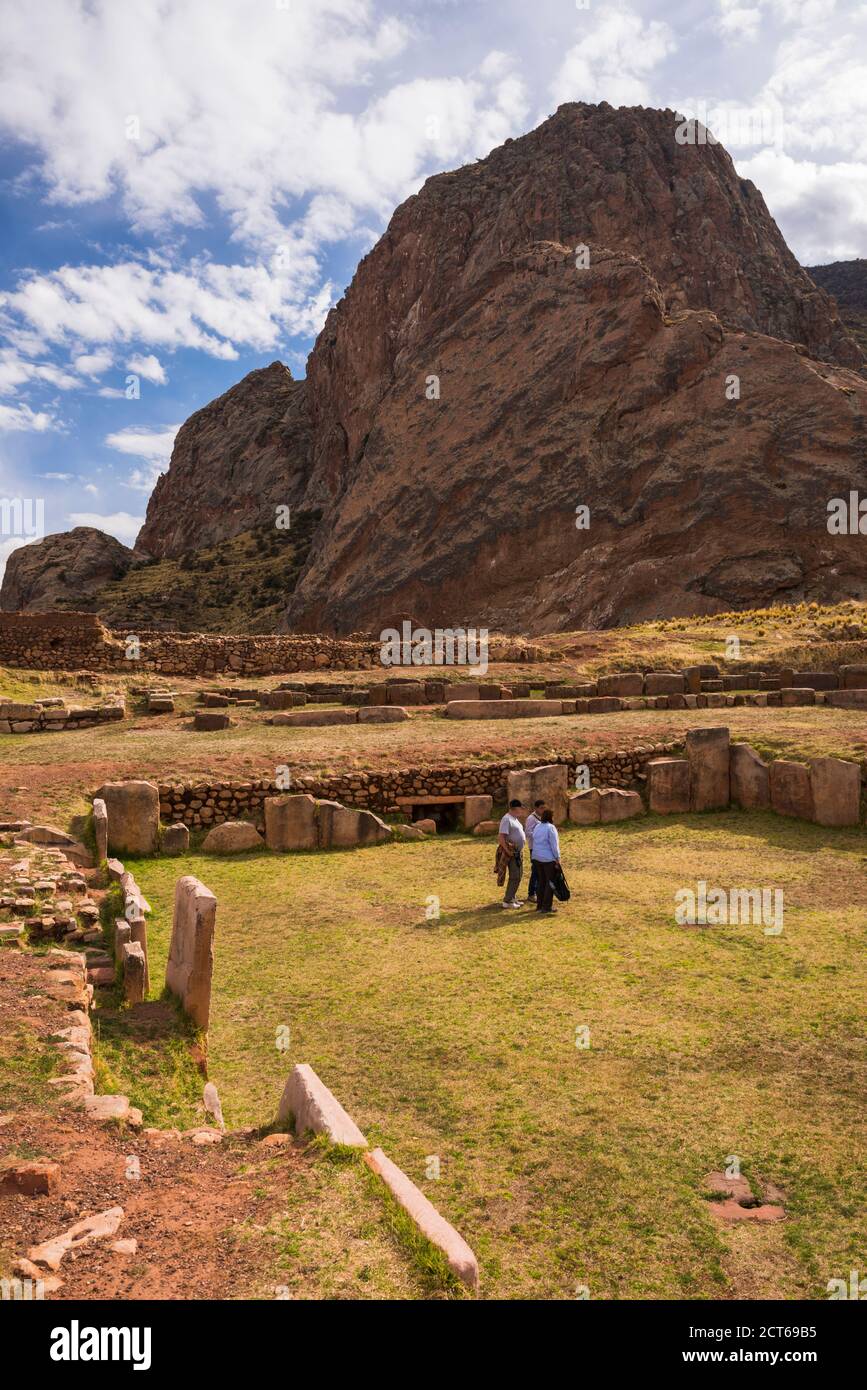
column 93, row 364
column 614, row 61
column 21, row 417
column 58, row 477
column 15, row 371
column 121, row 525
column 154, row 446
column 150, row 367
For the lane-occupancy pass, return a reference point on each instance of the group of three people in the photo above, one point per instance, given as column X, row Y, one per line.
column 540, row 835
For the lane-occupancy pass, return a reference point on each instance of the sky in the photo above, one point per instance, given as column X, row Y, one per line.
column 186, row 186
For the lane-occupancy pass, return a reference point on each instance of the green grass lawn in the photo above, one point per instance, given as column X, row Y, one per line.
column 566, row 1166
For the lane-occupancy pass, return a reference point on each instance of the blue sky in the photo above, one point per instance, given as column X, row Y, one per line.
column 187, row 185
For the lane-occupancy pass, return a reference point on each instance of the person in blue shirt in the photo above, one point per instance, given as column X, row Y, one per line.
column 546, row 860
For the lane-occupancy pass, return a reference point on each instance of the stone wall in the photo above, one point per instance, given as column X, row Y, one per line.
column 50, row 716
column 210, row 803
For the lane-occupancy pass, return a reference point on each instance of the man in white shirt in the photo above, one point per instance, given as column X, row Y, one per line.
column 530, row 824
column 512, row 840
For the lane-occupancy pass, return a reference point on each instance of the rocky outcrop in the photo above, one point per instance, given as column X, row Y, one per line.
column 846, row 281
column 233, row 462
column 559, row 387
column 62, row 571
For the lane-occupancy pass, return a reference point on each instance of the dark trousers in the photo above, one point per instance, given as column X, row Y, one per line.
column 534, row 879
column 516, row 871
column 545, row 889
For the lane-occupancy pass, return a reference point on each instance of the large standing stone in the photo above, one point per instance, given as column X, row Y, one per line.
column 133, row 810
column 191, row 953
column 708, row 754
column 621, row 683
column 232, row 837
column 100, row 829
column 668, row 786
column 342, row 827
column 477, row 809
column 549, row 784
column 791, row 792
column 853, row 677
column 664, row 683
column 692, row 679
column 290, row 822
column 133, row 965
column 836, row 788
column 584, row 807
column 750, row 778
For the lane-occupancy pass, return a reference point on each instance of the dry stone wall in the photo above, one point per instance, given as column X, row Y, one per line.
column 203, row 804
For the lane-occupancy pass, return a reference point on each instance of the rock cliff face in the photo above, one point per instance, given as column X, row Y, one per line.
column 67, row 570
column 562, row 386
column 233, row 462
column 847, row 282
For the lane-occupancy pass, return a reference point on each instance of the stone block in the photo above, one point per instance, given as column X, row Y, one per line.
column 191, row 952
column 133, row 810
column 132, row 963
column 668, row 786
column 847, row 699
column 815, row 680
column 382, row 714
column 503, row 709
column 207, row 721
column 836, row 789
column 426, row 826
column 425, row 1216
column 406, row 693
column 290, row 822
column 853, row 677
column 464, row 691
column 176, row 839
column 309, row 1104
column 664, row 683
column 435, row 692
column 615, row 804
column 32, row 1179
column 692, row 680
column 604, row 704
column 749, row 777
column 803, row 696
column 618, row 683
column 708, row 754
column 343, row 827
column 583, row 808
column 549, row 784
column 232, row 837
column 791, row 789
column 122, row 935
column 100, row 829
column 476, row 810
column 486, row 827
column 315, row 718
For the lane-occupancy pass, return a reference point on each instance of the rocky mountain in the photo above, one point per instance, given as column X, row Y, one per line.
column 596, row 316
column 847, row 282
column 233, row 462
column 67, row 570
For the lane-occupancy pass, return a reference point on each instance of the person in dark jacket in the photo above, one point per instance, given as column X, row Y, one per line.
column 546, row 860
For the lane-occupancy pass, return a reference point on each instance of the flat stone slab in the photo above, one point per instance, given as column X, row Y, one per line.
column 424, row 1214
column 49, row 1254
column 314, row 718
column 313, row 1107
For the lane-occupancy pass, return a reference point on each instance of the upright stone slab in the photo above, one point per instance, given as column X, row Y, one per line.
column 692, row 679
column 708, row 754
column 310, row 1104
column 343, row 827
column 836, row 789
column 176, row 839
column 133, row 965
column 138, row 936
column 477, row 809
column 133, row 810
column 549, row 784
column 584, row 807
column 664, row 683
column 620, row 683
column 668, row 786
column 750, row 778
column 791, row 791
column 616, row 804
column 100, row 829
column 290, row 822
column 232, row 837
column 191, row 953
